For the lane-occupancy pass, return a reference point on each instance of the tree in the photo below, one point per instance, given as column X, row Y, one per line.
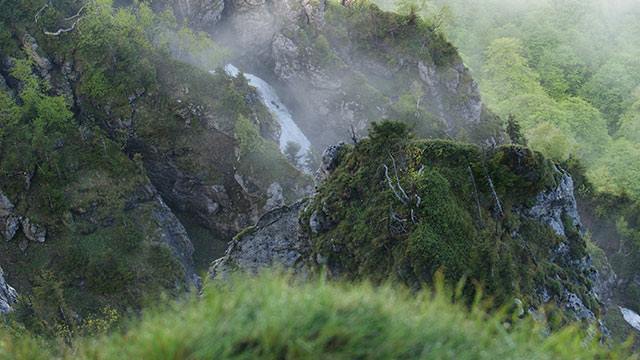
column 630, row 124
column 312, row 160
column 552, row 142
column 514, row 131
column 618, row 170
column 248, row 137
column 292, row 152
column 507, row 72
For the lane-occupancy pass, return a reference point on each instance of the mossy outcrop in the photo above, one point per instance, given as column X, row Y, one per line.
column 395, row 207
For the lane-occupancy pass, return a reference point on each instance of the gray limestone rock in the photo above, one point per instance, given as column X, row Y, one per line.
column 8, row 295
column 553, row 206
column 330, row 160
column 274, row 241
column 33, row 232
column 9, row 221
column 275, row 197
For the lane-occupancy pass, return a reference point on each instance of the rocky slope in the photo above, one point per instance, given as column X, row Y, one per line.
column 92, row 212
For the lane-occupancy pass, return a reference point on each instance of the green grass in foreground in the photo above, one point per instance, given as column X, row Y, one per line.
column 277, row 317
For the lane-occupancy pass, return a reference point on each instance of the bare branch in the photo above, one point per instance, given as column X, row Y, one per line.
column 37, row 16
column 397, row 224
column 61, row 31
column 65, row 30
column 354, row 137
column 393, row 188
column 395, row 169
column 76, row 15
column 495, row 195
column 475, row 192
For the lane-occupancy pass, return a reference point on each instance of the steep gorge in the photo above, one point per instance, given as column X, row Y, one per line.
column 157, row 173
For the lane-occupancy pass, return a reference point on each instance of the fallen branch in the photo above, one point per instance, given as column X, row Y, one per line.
column 475, row 192
column 495, row 196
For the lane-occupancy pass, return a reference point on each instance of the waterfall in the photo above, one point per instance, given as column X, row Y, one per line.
column 631, row 317
column 290, row 131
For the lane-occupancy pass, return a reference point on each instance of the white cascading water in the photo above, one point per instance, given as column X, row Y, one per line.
column 631, row 317
column 290, row 131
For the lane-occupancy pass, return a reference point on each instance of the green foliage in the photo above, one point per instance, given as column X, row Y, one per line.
column 195, row 48
column 507, row 71
column 618, row 171
column 279, row 317
column 114, row 52
column 249, row 139
column 551, row 141
column 514, row 132
column 630, row 124
column 389, row 133
column 370, row 28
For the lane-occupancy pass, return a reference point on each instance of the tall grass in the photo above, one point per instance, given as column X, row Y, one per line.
column 274, row 316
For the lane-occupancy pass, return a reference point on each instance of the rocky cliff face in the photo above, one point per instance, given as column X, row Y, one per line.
column 278, row 239
column 344, row 67
column 557, row 208
column 166, row 229
column 197, row 14
column 254, row 25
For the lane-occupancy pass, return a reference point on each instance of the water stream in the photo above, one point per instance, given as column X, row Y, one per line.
column 290, row 131
column 631, row 317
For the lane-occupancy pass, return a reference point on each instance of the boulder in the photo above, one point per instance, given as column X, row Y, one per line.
column 33, row 232
column 9, row 221
column 330, row 160
column 8, row 295
column 275, row 240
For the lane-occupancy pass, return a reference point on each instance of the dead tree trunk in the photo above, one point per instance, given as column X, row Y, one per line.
column 475, row 193
column 414, row 201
